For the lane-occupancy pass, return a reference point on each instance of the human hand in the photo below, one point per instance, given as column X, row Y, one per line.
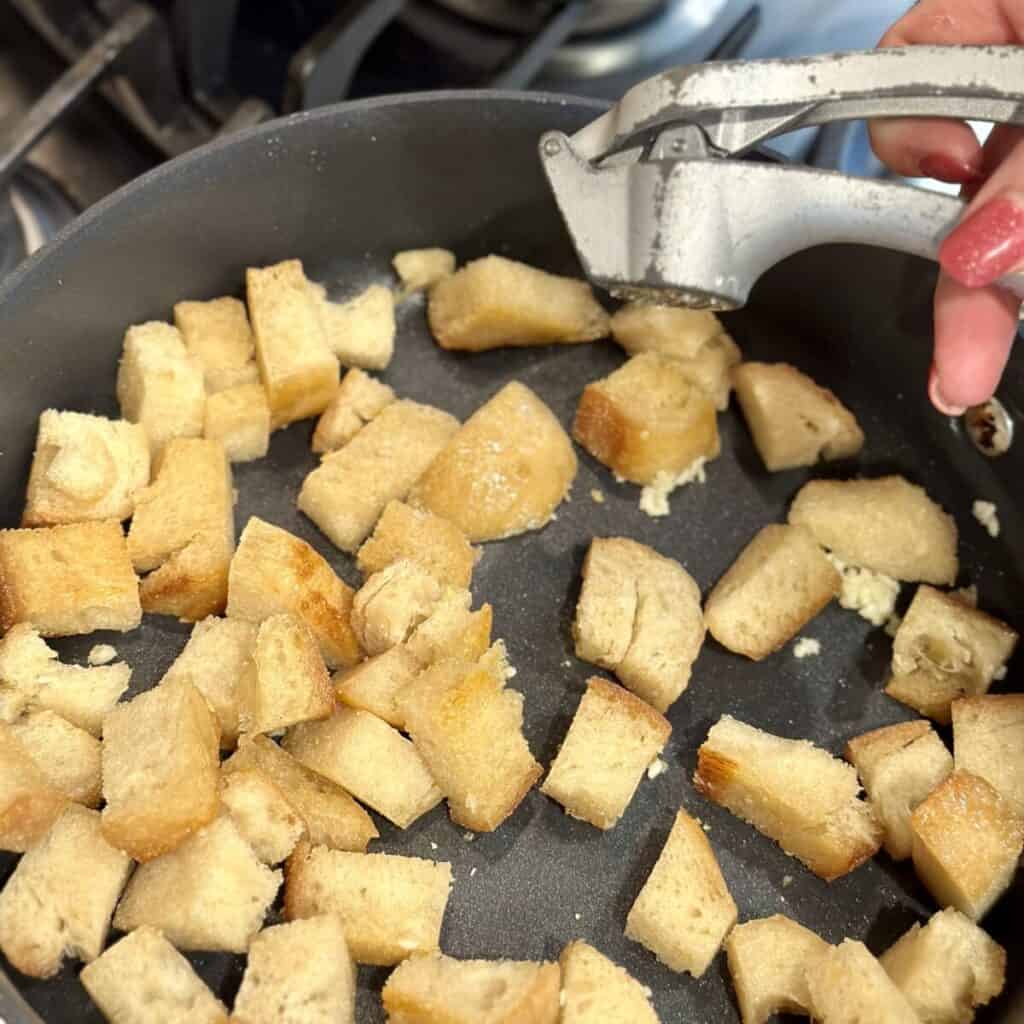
column 975, row 323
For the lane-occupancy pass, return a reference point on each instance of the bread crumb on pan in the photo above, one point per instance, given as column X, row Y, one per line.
column 101, row 654
column 806, row 647
column 987, row 514
column 872, row 595
column 654, row 497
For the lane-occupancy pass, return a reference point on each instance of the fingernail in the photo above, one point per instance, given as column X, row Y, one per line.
column 987, row 244
column 938, row 400
column 944, row 167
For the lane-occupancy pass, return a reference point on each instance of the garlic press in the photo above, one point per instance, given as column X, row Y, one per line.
column 660, row 205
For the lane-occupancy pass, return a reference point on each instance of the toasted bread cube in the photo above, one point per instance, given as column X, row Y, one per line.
column 469, row 730
column 793, row 420
column 451, row 630
column 966, row 843
column 298, row 370
column 239, row 418
column 390, row 906
column 496, row 302
column 848, row 985
column 684, row 911
column 218, row 334
column 403, row 532
column 68, row 757
column 32, row 679
column 290, row 683
column 160, row 769
column 211, row 893
column 332, row 818
column 68, row 580
column 945, row 649
column 639, row 616
column 646, row 419
column 947, row 968
column 358, row 399
column 262, row 814
column 768, row 961
column 779, row 582
column 420, row 269
column 30, row 801
column 360, row 332
column 391, row 604
column 374, row 685
column 792, row 791
column 160, row 384
column 47, row 912
column 85, row 467
column 597, row 991
column 899, row 766
column 219, row 662
column 988, row 741
column 298, row 973
column 428, row 989
column 275, row 571
column 887, row 524
column 348, row 491
column 370, row 759
column 613, row 737
column 504, row 472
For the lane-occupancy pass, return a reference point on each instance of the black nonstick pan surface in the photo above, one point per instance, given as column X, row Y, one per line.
column 344, row 188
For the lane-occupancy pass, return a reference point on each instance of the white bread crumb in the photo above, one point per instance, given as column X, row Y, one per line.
column 988, row 515
column 596, row 495
column 787, row 881
column 102, row 654
column 657, row 767
column 654, row 497
column 806, row 647
column 872, row 595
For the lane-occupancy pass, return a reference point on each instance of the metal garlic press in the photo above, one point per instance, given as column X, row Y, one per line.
column 660, row 206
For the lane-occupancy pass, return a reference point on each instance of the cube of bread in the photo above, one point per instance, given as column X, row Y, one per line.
column 391, row 604
column 32, row 679
column 30, row 802
column 68, row 580
column 298, row 370
column 469, row 730
column 947, row 968
column 639, row 615
column 943, row 650
column 219, row 662
column 360, row 332
column 160, row 384
column 506, row 470
column 274, row 571
column 371, row 760
column 85, row 467
column 647, row 418
column 792, row 791
column 240, row 419
column 404, row 532
column 217, row 333
column 332, row 818
column 390, row 906
column 290, row 683
column 298, row 973
column 47, row 912
column 768, row 962
column 211, row 893
column 779, row 582
column 966, row 843
column 988, row 741
column 358, row 399
column 597, row 991
column 451, row 630
column 374, row 685
column 899, row 765
column 793, row 420
column 420, row 269
column 695, row 338
column 848, row 985
column 613, row 738
column 160, row 769
column 430, row 988
column 887, row 524
column 348, row 491
column 143, row 979
column 68, row 757
column 684, row 911
column 262, row 814
column 496, row 302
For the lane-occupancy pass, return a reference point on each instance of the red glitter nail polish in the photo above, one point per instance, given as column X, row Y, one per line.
column 944, row 167
column 987, row 245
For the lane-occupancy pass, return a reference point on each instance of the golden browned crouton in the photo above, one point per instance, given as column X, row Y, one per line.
column 240, row 419
column 988, row 741
column 420, row 269
column 262, row 814
column 597, row 991
column 217, row 333
column 30, row 802
column 360, row 332
column 358, row 399
column 374, row 685
column 68, row 757
column 391, row 604
column 451, row 630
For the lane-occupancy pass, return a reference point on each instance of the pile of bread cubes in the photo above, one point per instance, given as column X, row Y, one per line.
column 127, row 814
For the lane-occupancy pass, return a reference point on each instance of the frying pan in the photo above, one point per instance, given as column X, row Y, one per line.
column 344, row 188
